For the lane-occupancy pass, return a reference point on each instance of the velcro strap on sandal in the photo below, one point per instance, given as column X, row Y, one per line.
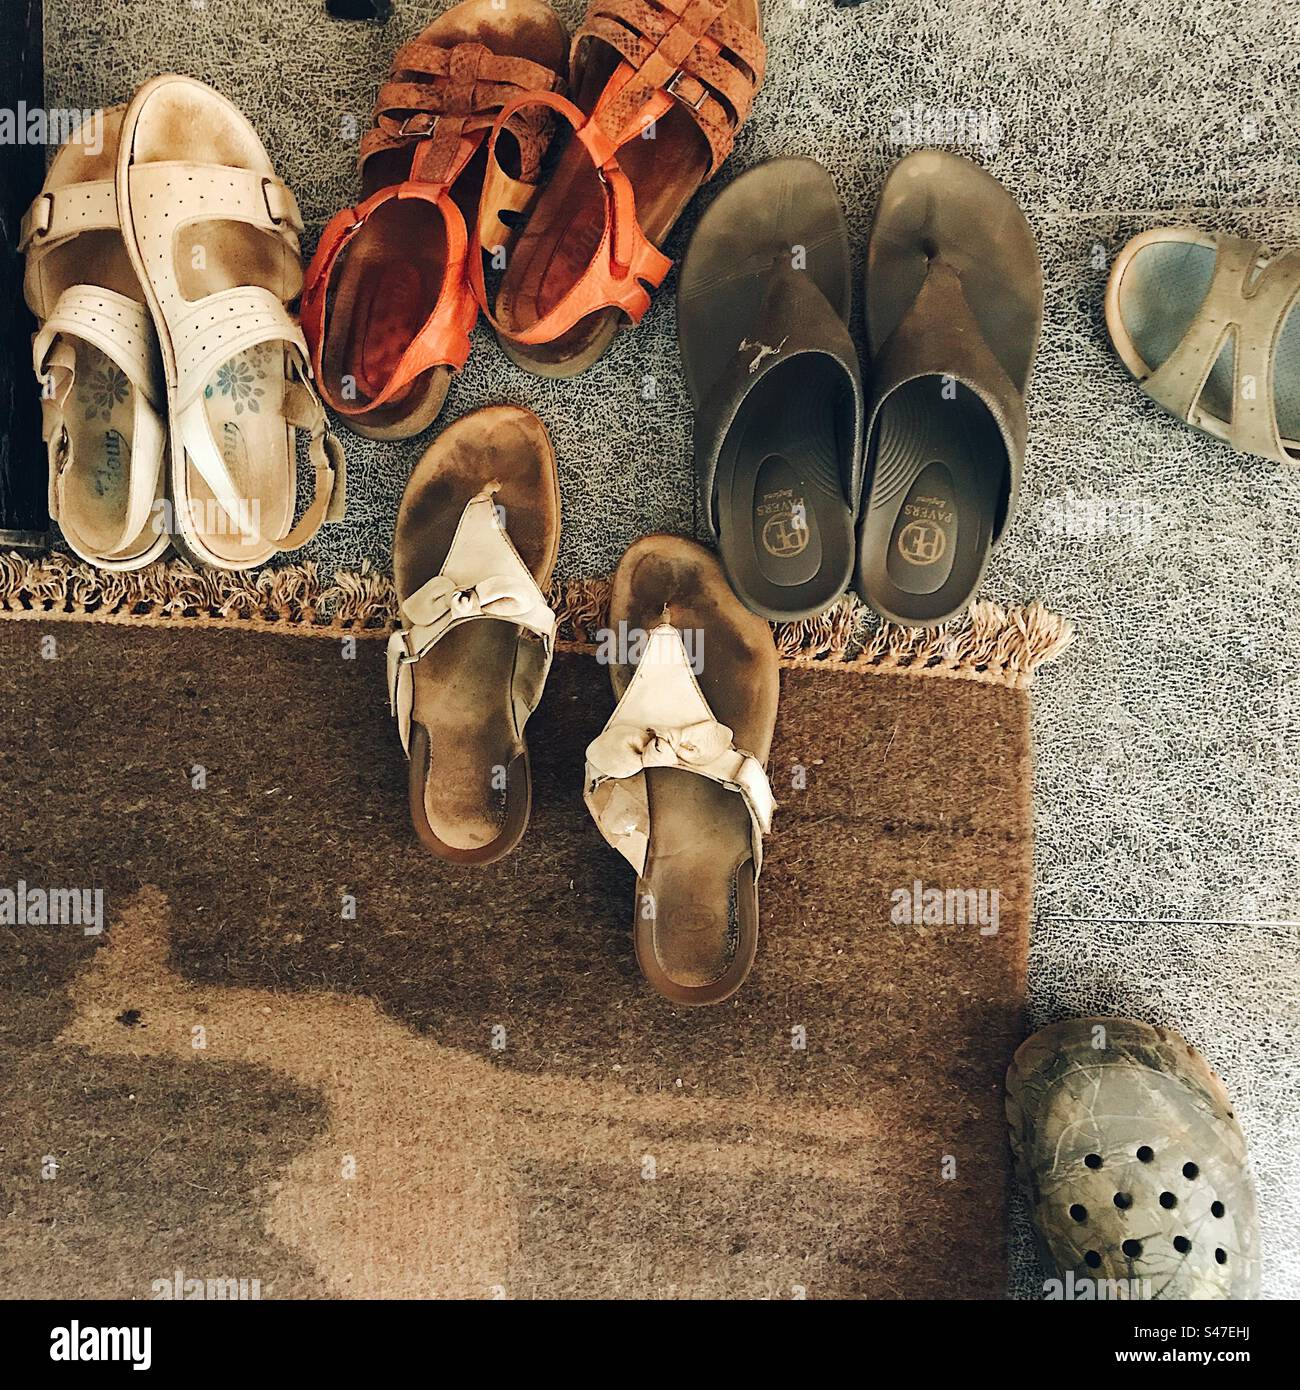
column 211, row 331
column 663, row 720
column 66, row 211
column 117, row 325
column 122, row 330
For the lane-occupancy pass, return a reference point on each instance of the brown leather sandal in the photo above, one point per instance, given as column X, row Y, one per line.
column 477, row 536
column 387, row 309
column 675, row 781
column 660, row 88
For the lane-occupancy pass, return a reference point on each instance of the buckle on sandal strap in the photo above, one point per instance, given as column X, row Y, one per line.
column 281, row 205
column 671, row 88
column 402, row 130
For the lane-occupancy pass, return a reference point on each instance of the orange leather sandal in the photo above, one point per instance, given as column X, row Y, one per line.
column 387, row 310
column 660, row 88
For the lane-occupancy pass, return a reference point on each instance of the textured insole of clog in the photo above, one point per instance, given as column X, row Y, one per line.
column 1161, row 293
column 938, row 483
column 785, row 530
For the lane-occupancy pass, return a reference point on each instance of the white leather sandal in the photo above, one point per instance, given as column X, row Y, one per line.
column 477, row 536
column 683, row 797
column 213, row 236
column 96, row 357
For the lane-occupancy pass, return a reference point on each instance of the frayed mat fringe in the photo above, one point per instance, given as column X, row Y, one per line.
column 997, row 644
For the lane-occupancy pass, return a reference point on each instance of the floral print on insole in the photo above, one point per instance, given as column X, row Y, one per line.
column 243, row 378
column 244, row 400
column 100, row 424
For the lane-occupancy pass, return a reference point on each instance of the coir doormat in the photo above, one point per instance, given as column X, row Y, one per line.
column 304, row 1058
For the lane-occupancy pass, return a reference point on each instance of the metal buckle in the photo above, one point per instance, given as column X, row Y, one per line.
column 671, row 88
column 416, row 116
column 266, row 199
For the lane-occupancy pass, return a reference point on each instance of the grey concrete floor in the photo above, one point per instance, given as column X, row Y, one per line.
column 1167, row 791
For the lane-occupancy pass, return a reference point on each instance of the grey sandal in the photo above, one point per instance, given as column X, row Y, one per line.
column 1206, row 326
column 762, row 310
column 1133, row 1162
column 954, row 309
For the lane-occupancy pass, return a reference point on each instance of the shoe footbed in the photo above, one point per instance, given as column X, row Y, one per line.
column 696, row 913
column 463, row 688
column 188, row 122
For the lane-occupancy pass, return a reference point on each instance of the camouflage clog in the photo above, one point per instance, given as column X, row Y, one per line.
column 1133, row 1162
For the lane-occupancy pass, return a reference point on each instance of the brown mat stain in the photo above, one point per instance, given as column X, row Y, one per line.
column 613, row 1146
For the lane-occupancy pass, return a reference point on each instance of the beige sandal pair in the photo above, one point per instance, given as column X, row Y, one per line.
column 675, row 781
column 161, row 255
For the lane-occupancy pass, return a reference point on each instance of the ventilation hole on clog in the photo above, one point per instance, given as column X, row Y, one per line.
column 1182, row 1244
column 1168, row 1201
column 1092, row 1160
column 1080, row 1214
column 1190, row 1170
column 1132, row 1248
column 1092, row 1259
column 1123, row 1201
column 1217, row 1208
column 1221, row 1256
column 1145, row 1154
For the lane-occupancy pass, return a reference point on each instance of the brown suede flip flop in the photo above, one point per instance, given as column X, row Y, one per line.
column 477, row 536
column 676, row 780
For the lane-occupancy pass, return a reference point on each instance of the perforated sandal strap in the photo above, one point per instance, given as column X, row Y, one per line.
column 60, row 213
column 122, row 330
column 168, row 196
column 663, row 720
column 624, row 262
column 208, row 332
column 1247, row 307
column 117, row 325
